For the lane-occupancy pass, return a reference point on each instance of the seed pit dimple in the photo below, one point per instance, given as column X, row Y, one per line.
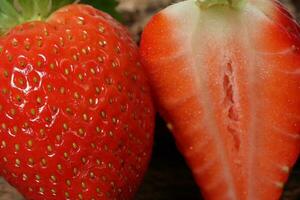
column 230, row 104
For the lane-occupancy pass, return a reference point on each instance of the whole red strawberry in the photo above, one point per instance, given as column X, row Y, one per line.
column 226, row 74
column 76, row 118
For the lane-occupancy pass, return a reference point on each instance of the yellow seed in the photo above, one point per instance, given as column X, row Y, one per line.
column 35, row 79
column 85, row 117
column 25, row 177
column 80, row 131
column 58, row 138
column 39, row 63
column 83, row 185
column 53, row 178
column 67, row 194
column 76, row 95
column 15, row 129
column 59, row 167
column 22, row 63
column 84, row 51
column 103, row 114
column 5, row 73
column 14, row 42
column 85, row 35
column 53, row 191
column 13, row 111
column 29, row 143
column 42, row 132
column 67, row 72
column 42, row 190
column 43, row 162
column 68, row 110
column 21, row 81
column 102, row 43
column 3, row 144
column 75, row 57
column 98, row 129
column 37, row 177
column 3, row 126
column 80, row 21
column 286, row 169
column 4, row 90
column 98, row 90
column 40, row 43
column 10, row 58
column 279, row 185
column 92, row 175
column 75, row 171
column 98, row 162
column 46, row 32
column 17, row 147
column 18, row 162
column 65, row 126
column 61, row 41
column 98, row 190
column 80, row 76
column 32, row 111
column 101, row 59
column 101, row 29
column 74, row 145
column 110, row 133
column 49, row 148
column 93, row 71
column 93, row 145
column 39, row 100
column 62, row 90
column 30, row 161
column 68, row 182
column 66, row 155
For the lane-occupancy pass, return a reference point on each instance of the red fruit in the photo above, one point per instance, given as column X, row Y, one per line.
column 76, row 118
column 226, row 78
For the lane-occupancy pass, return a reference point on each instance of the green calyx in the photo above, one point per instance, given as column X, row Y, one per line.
column 235, row 4
column 15, row 12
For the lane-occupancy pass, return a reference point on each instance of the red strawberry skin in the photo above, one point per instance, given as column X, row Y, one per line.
column 76, row 114
column 227, row 81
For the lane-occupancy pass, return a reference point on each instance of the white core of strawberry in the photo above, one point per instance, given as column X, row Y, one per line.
column 236, row 4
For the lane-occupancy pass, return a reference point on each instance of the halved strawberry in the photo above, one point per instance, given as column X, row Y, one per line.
column 226, row 75
column 76, row 117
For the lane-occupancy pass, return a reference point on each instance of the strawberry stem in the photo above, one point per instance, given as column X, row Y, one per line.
column 15, row 12
column 235, row 4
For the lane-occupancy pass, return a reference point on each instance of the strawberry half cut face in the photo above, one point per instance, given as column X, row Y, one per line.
column 226, row 77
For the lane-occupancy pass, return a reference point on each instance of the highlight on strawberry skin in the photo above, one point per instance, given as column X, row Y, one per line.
column 225, row 75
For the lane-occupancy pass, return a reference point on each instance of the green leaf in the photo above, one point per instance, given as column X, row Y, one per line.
column 108, row 6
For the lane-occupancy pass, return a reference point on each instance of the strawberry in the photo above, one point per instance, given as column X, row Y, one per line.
column 225, row 75
column 76, row 118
